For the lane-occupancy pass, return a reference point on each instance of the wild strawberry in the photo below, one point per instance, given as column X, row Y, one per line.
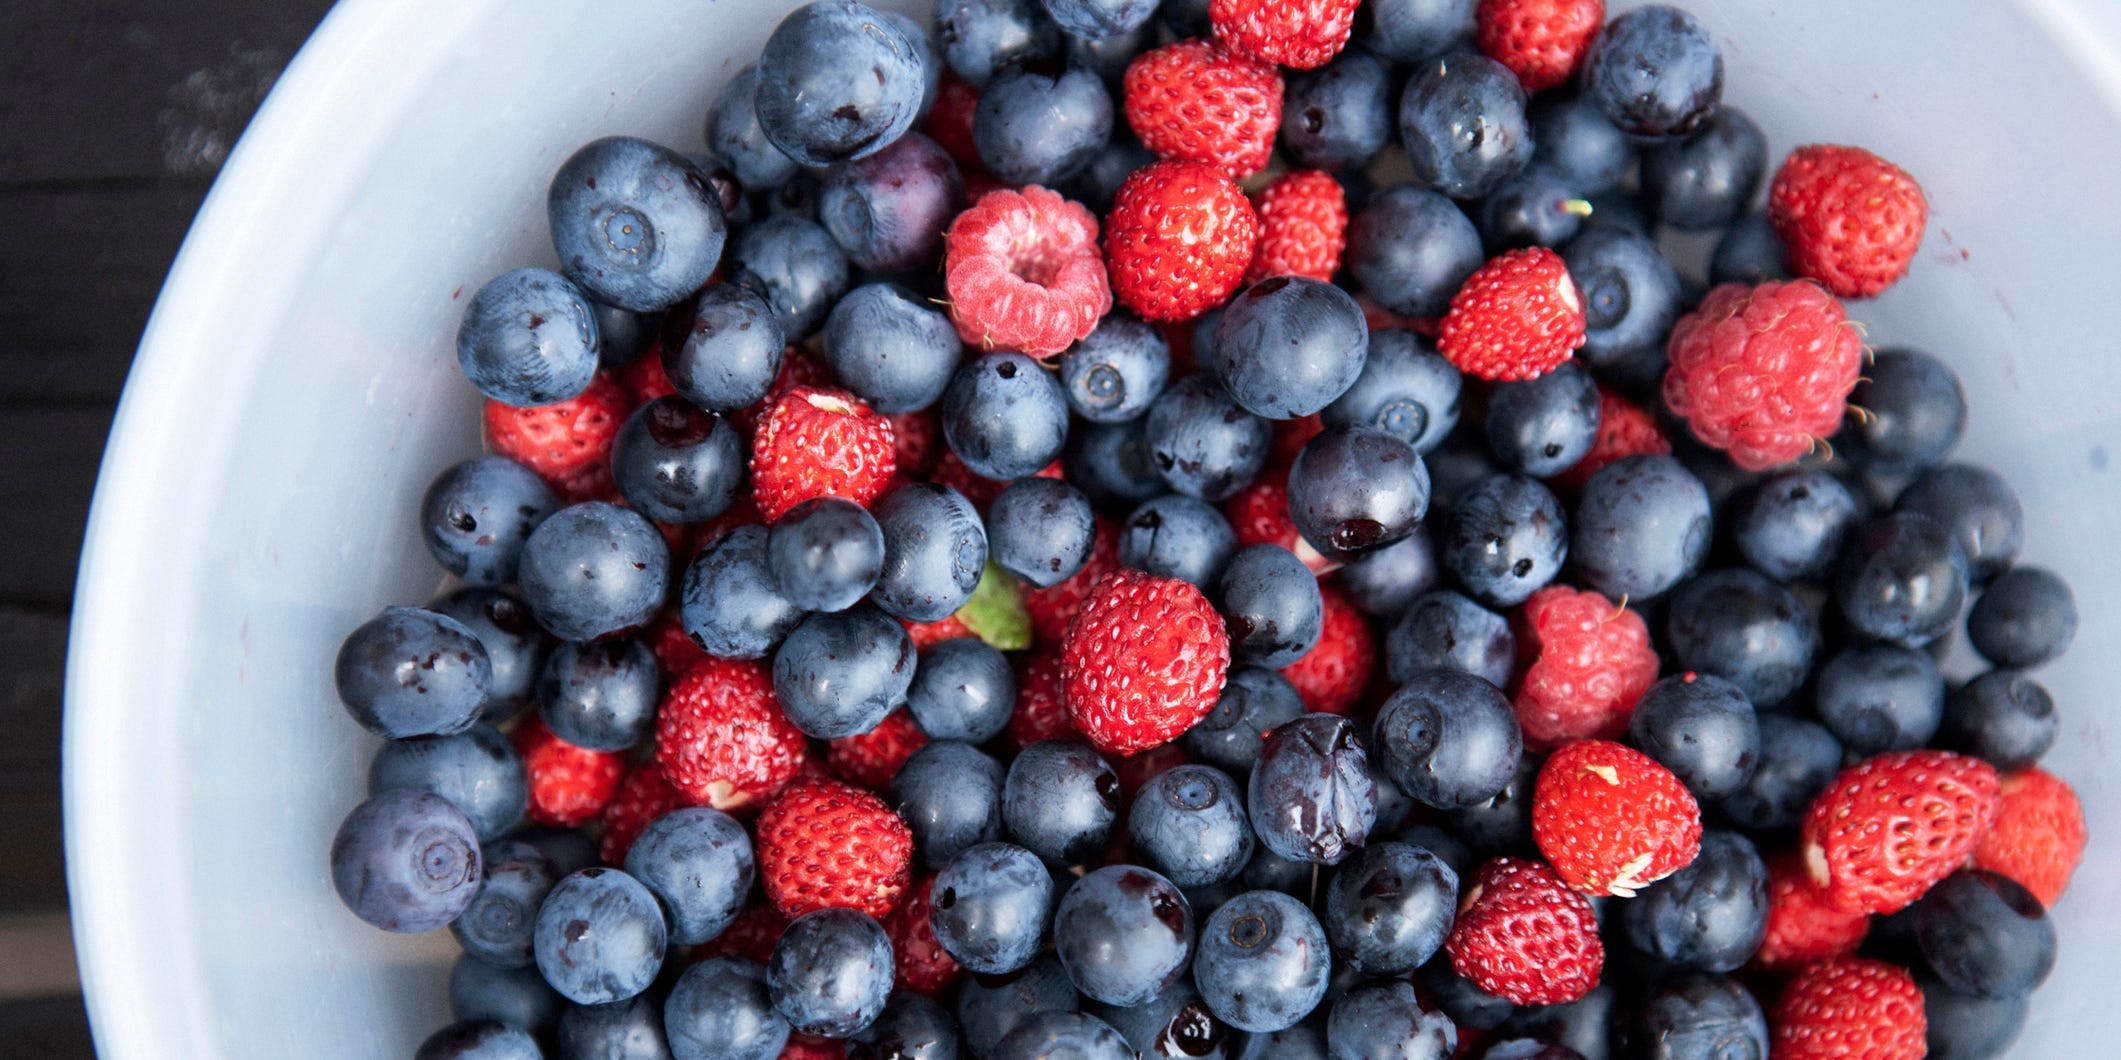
column 1522, row 934
column 1763, row 373
column 569, row 785
column 1191, row 101
column 2037, row 836
column 1847, row 218
column 1023, row 272
column 1611, row 820
column 802, row 1046
column 1054, row 607
column 819, row 443
column 1850, row 1009
column 1334, row 674
column 1143, row 660
column 923, row 967
column 752, row 935
column 1178, row 240
column 1259, row 515
column 1801, row 926
column 568, row 443
column 1517, row 317
column 1301, row 34
column 642, row 797
column 823, row 844
column 1303, row 227
column 797, row 369
column 917, row 443
column 675, row 651
column 1889, row 827
column 1041, row 701
column 872, row 758
column 1624, row 429
column 721, row 738
column 927, row 633
column 1591, row 662
column 950, row 120
column 1541, row 41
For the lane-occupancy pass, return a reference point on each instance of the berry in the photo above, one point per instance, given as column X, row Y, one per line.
column 477, row 770
column 1611, row 820
column 1124, row 934
column 1624, row 430
column 406, row 861
column 1631, row 296
column 1357, row 489
column 1041, row 706
column 1702, row 728
column 1263, row 962
column 1963, row 1026
column 1978, row 507
column 924, row 967
column 720, row 1007
column 1271, row 604
column 1253, row 702
column 2036, row 836
column 1005, row 416
column 1572, row 136
column 568, row 443
column 721, row 739
column 892, row 350
column 1388, row 909
column 1405, row 388
column 698, row 862
column 1517, row 317
column 1749, row 252
column 642, row 797
column 1178, row 240
column 1523, row 935
column 1448, row 739
column 1191, row 101
column 1852, row 1009
column 870, row 759
column 823, row 844
column 980, row 37
column 989, row 906
column 1116, row 371
column 1462, row 122
column 1591, row 663
column 412, row 672
column 888, row 211
column 1640, row 528
column 819, row 443
column 677, row 463
column 810, row 101
column 733, row 134
column 2025, row 617
column 730, row 604
column 569, row 785
column 1792, row 525
column 636, row 225
column 1541, row 41
column 1335, row 673
column 1023, row 272
column 1699, row 1015
column 1300, row 34
column 1880, row 697
column 1041, row 530
column 1377, row 1019
column 486, row 1039
column 1763, row 372
column 1848, row 218
column 1801, row 926
column 1902, row 577
column 950, row 794
column 1541, row 426
column 1708, row 179
column 600, row 937
column 794, row 264
column 1655, row 72
column 1411, row 249
column 1984, row 935
column 1445, row 630
column 1059, row 1034
column 1142, row 661
column 1915, row 411
column 1891, row 826
column 934, row 550
column 1303, row 227
column 1203, row 443
column 1289, row 346
column 1533, row 207
column 1115, row 23
column 2002, row 716
column 518, row 997
column 839, row 673
column 1041, row 123
column 476, row 516
column 1189, row 823
column 831, row 972
column 1052, row 609
column 1506, row 539
column 825, row 554
column 1337, row 118
column 1709, row 915
column 1312, row 797
column 594, row 570
column 1059, row 801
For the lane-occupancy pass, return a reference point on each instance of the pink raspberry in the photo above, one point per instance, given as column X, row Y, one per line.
column 1763, row 372
column 1024, row 272
column 1591, row 662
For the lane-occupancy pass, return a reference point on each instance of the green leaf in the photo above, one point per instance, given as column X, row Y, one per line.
column 996, row 613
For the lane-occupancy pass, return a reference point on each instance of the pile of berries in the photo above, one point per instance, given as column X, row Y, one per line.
column 1054, row 538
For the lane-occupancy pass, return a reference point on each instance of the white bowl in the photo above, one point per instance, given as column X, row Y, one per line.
column 295, row 392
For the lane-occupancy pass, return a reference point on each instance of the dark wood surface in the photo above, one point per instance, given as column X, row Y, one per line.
column 114, row 117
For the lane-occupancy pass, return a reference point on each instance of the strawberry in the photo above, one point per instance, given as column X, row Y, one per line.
column 1334, row 674
column 1611, row 820
column 1023, row 272
column 2037, row 837
column 1259, row 515
column 642, row 797
column 1850, row 1009
column 817, row 442
column 1303, row 227
column 917, row 443
column 802, row 1046
column 1054, row 607
column 1801, row 926
column 1517, row 317
column 1890, row 827
column 1763, row 373
column 1301, row 34
column 1178, row 240
column 1041, row 701
column 1290, row 437
column 824, row 844
column 872, row 758
column 1523, row 935
column 1591, row 662
column 675, row 650
column 1143, row 660
column 644, row 379
column 797, row 369
column 752, row 935
column 721, row 738
column 1191, row 101
column 1847, row 218
column 923, row 967
column 569, row 785
column 568, row 443
column 1541, row 41
column 927, row 633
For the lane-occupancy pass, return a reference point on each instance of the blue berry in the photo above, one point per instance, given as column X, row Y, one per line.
column 1448, row 738
column 838, row 80
column 730, row 604
column 600, row 937
column 1252, row 702
column 1631, row 298
column 570, row 851
column 831, row 972
column 698, row 862
column 1442, row 629
column 1798, row 759
column 736, row 137
column 1112, row 464
column 1752, row 632
column 916, row 30
column 1176, row 536
column 1698, row 1015
column 1914, row 411
column 1388, row 909
column 1977, row 507
column 622, row 1030
column 676, row 463
column 1641, row 526
column 515, row 645
column 477, row 770
column 950, row 794
column 1124, row 933
column 793, row 264
column 1462, row 122
column 1529, row 1049
column 980, row 37
column 1656, row 72
column 911, row 1027
column 1963, row 1027
column 962, row 690
column 518, row 997
column 406, row 860
column 889, row 211
column 1574, row 138
column 1353, row 489
column 825, row 553
column 1004, row 416
column 1202, row 442
column 1337, row 117
column 1468, row 1005
column 885, row 344
column 1880, row 697
column 1175, row 1025
column 1305, row 1041
column 496, row 927
column 637, row 225
column 594, row 570
column 1117, row 370
column 934, row 550
column 719, row 1010
column 1063, row 1036
column 1269, row 871
column 1383, row 1021
column 989, row 906
column 1041, row 121
column 1708, row 179
column 730, row 356
column 1262, row 962
column 1702, row 728
column 1536, row 207
column 2002, row 716
column 1506, row 540
column 2025, row 617
column 797, row 198
column 1387, row 581
column 1405, row 388
column 1060, row 800
column 1710, row 915
column 602, row 695
column 476, row 516
column 479, row 1041
column 1542, row 427
column 839, row 673
column 528, row 338
column 1311, row 795
column 1984, row 935
column 1098, row 20
column 1502, row 824
column 1117, row 160
column 1289, row 345
column 989, row 1008
column 1792, row 525
column 412, row 672
column 1588, row 1025
column 1272, row 605
column 1903, row 578
column 1188, row 822
column 1041, row 530
column 1749, row 252
column 1412, row 30
column 1410, row 249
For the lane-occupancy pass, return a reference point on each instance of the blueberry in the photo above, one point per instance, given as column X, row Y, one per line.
column 1962, row 1027
column 1110, row 462
column 570, row 851
column 1798, row 759
column 1189, row 823
column 1631, row 298
column 1442, row 629
column 1041, row 121
column 515, row 645
column 1337, row 117
column 1041, row 530
column 1542, row 427
column 1410, row 248
column 794, row 265
column 1462, row 122
column 1205, row 326
column 698, row 862
column 1978, row 508
column 1703, row 729
column 637, row 225
column 1793, row 524
column 479, row 1041
column 1117, row 370
column 1405, row 388
column 1353, row 489
column 1289, row 346
column 1502, row 824
column 1253, row 701
column 1176, row 536
column 529, row 337
column 518, row 997
column 1098, row 20
column 1699, row 1015
column 1743, row 628
column 412, row 672
column 911, row 1027
column 1506, row 540
column 1640, row 527
column 600, row 937
column 1305, row 1041
column 1382, row 1021
column 736, row 137
column 476, row 516
column 1913, row 413
column 1100, row 178
column 1536, row 207
column 719, row 1010
column 730, row 604
column 1656, row 72
column 1062, row 1036
column 2025, row 617
column 1262, row 962
column 1060, row 800
column 1585, row 1024
column 1449, row 739
column 477, row 770
column 1269, row 871
column 1880, row 697
column 1903, row 578
column 1388, row 580
column 594, row 570
column 934, row 550
column 1202, row 443
column 889, row 211
column 1175, row 1025
column 989, row 906
column 1574, row 138
column 676, row 463
column 889, row 348
column 1984, row 935
column 618, row 338
column 1749, row 252
column 1272, row 605
column 1708, row 179
column 1529, row 1049
column 950, row 794
column 1468, row 1006
column 601, row 696
column 979, row 37
column 730, row 356
column 622, row 1030
column 496, row 927
column 988, row 1008
column 1710, row 915
column 825, row 553
column 406, row 860
column 838, row 80
column 916, row 30
column 2002, row 716
column 1388, row 909
column 797, row 198
column 1124, row 933
column 962, row 690
column 1311, row 795
column 831, row 972
column 839, row 673
column 1004, row 416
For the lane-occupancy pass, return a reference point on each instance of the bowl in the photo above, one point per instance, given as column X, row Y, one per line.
column 295, row 392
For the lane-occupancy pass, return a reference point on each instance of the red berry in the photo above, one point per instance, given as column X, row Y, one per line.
column 569, row 785
column 1590, row 662
column 721, row 738
column 1041, row 702
column 1303, row 227
column 1178, row 240
column 1303, row 34
column 1143, row 660
column 675, row 651
column 797, row 369
column 1290, row 437
column 927, row 633
column 872, row 758
column 1541, row 41
column 1890, row 827
column 917, row 443
column 1624, row 429
column 1523, row 935
column 1847, row 218
column 1611, row 820
column 1763, row 372
column 644, row 379
column 824, row 845
column 1850, row 1009
column 1259, row 515
column 752, row 935
column 950, row 120
column 1517, row 317
column 642, row 797
column 1191, row 101
column 2037, row 836
column 1334, row 674
column 818, row 442
column 1801, row 926
column 923, row 967
column 1023, row 272
column 1052, row 608
column 1136, row 770
column 568, row 443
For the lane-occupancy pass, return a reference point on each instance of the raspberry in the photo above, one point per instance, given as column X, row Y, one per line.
column 569, row 785
column 1191, row 101
column 1333, row 675
column 1023, row 272
column 1890, row 827
column 1178, row 240
column 819, row 443
column 1590, row 662
column 642, row 797
column 1143, row 660
column 1523, row 935
column 1847, row 218
column 1054, row 607
column 721, row 738
column 1303, row 227
column 1301, row 34
column 1624, row 429
column 2037, row 837
column 923, row 967
column 1850, row 1009
column 1541, row 41
column 1517, row 317
column 811, row 1047
column 824, row 844
column 568, row 443
column 1763, row 372
column 1611, row 820
column 1259, row 515
column 872, row 758
column 1041, row 702
column 1801, row 926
